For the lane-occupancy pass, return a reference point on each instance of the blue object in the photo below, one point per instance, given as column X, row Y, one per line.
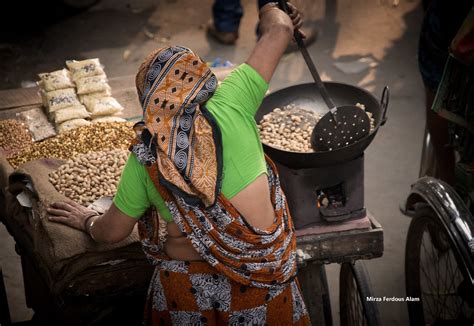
column 219, row 63
column 227, row 14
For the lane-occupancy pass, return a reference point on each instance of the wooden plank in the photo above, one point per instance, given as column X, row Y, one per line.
column 12, row 112
column 14, row 98
column 128, row 98
column 18, row 97
column 342, row 247
column 324, row 227
column 375, row 223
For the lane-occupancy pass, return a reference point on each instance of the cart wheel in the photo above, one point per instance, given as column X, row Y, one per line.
column 434, row 274
column 354, row 288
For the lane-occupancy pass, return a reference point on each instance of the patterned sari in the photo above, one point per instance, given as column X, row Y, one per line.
column 180, row 144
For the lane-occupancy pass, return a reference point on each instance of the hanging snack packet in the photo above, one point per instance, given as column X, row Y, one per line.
column 85, row 68
column 72, row 124
column 92, row 84
column 69, row 113
column 108, row 119
column 60, row 99
column 55, row 80
column 100, row 106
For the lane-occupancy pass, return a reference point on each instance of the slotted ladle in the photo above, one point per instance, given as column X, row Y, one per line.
column 340, row 126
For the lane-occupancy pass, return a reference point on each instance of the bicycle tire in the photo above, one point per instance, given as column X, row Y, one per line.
column 425, row 219
column 354, row 277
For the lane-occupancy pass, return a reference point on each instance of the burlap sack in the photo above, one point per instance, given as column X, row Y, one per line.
column 53, row 240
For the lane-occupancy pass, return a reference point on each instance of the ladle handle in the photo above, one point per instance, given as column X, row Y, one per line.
column 309, row 62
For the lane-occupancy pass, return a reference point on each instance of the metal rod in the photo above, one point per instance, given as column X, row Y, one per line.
column 309, row 63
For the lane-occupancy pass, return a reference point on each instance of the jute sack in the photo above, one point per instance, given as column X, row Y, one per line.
column 53, row 240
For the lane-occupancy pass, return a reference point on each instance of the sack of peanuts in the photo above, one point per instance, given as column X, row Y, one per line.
column 88, row 177
column 54, row 241
column 60, row 99
column 72, row 124
column 92, row 84
column 101, row 106
column 59, row 79
column 70, row 113
column 85, row 98
column 109, row 118
column 85, row 68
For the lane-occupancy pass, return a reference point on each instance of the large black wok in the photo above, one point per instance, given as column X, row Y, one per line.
column 306, row 96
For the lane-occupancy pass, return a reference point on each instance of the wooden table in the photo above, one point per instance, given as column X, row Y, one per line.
column 328, row 243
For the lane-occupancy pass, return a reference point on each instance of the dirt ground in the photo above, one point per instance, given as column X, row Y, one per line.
column 122, row 32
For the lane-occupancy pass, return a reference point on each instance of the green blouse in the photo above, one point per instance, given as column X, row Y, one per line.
column 233, row 106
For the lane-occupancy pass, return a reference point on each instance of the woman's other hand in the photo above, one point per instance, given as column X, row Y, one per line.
column 111, row 227
column 70, row 213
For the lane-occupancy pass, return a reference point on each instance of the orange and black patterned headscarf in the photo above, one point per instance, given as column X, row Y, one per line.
column 178, row 133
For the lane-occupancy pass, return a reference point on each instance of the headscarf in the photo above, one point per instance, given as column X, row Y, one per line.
column 178, row 133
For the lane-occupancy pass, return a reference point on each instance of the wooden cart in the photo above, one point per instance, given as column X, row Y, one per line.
column 343, row 243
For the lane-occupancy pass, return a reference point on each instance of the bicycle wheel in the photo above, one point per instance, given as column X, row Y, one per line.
column 354, row 288
column 433, row 275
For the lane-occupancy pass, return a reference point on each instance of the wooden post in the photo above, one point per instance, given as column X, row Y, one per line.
column 312, row 278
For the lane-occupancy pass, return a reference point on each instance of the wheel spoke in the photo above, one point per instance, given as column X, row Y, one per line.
column 433, row 308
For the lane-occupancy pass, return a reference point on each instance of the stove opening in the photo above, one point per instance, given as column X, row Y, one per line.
column 331, row 197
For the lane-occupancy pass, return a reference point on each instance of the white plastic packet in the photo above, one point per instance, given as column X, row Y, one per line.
column 108, row 119
column 100, row 106
column 72, row 124
column 85, row 68
column 86, row 97
column 71, row 112
column 60, row 99
column 59, row 79
column 92, row 84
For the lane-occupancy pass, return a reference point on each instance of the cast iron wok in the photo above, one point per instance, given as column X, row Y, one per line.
column 305, row 96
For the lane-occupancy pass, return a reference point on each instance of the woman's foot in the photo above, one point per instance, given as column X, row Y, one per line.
column 227, row 38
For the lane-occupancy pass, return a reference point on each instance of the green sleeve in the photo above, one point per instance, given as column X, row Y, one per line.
column 234, row 106
column 244, row 88
column 136, row 192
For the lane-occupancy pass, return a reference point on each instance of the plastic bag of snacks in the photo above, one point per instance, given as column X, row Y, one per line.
column 108, row 119
column 92, row 84
column 60, row 99
column 55, row 80
column 100, row 106
column 87, row 97
column 72, row 124
column 69, row 113
column 85, row 68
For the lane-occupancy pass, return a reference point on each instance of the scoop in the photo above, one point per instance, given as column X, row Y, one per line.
column 342, row 125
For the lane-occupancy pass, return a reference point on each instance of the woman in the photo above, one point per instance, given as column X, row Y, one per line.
column 198, row 164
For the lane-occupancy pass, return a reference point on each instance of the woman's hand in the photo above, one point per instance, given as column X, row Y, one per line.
column 70, row 213
column 296, row 19
column 271, row 16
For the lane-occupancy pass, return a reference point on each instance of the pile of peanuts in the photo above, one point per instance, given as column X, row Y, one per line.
column 289, row 128
column 14, row 136
column 88, row 177
column 94, row 137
